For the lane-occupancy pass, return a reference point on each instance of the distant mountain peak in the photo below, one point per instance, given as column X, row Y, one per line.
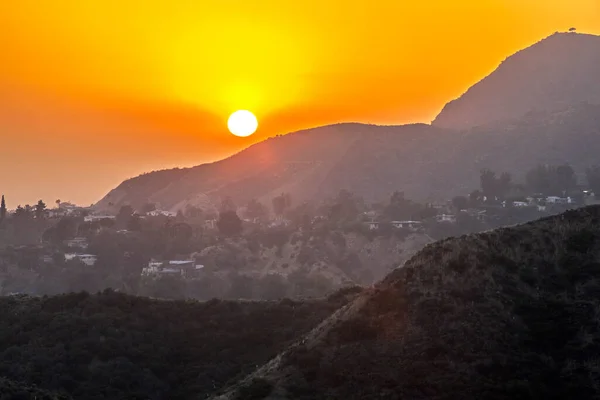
column 558, row 70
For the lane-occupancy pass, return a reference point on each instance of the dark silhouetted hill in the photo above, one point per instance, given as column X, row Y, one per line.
column 113, row 346
column 10, row 390
column 550, row 75
column 506, row 314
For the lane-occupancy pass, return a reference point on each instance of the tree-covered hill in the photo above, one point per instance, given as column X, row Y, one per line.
column 114, row 346
column 506, row 314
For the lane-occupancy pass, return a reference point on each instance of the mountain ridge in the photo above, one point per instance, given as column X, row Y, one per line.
column 500, row 95
column 427, row 162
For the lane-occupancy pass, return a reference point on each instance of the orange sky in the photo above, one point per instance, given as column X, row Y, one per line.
column 93, row 92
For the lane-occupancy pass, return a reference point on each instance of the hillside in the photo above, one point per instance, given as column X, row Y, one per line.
column 543, row 101
column 336, row 258
column 548, row 76
column 311, row 164
column 506, row 314
column 373, row 161
column 115, row 346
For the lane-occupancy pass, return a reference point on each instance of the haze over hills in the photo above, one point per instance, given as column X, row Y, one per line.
column 506, row 314
column 540, row 105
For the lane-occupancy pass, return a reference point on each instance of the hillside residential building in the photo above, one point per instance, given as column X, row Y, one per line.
column 373, row 225
column 412, row 225
column 157, row 213
column 446, row 218
column 92, row 218
column 87, row 259
column 77, row 242
column 172, row 267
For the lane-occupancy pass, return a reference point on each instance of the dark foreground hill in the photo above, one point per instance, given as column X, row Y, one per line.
column 10, row 390
column 113, row 346
column 507, row 314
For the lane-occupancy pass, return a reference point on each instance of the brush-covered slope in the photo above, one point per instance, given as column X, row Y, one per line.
column 310, row 165
column 553, row 73
column 506, row 314
column 113, row 346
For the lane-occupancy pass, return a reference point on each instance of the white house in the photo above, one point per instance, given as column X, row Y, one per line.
column 407, row 224
column 87, row 259
column 520, row 204
column 77, row 242
column 373, row 225
column 157, row 213
column 445, row 218
column 557, row 200
column 171, row 267
column 92, row 218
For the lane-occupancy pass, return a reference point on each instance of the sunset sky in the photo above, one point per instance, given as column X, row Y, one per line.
column 94, row 92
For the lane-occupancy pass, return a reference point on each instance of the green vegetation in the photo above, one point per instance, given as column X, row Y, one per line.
column 506, row 314
column 116, row 346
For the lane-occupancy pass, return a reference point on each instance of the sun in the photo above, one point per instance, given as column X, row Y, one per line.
column 242, row 123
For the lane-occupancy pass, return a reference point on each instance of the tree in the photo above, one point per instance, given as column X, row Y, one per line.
column 227, row 204
column 229, row 224
column 148, row 207
column 2, row 208
column 345, row 207
column 592, row 175
column 551, row 180
column 281, row 203
column 460, row 203
column 503, row 184
column 476, row 197
column 65, row 228
column 40, row 209
column 565, row 177
column 123, row 216
column 255, row 210
column 20, row 212
column 400, row 208
column 57, row 202
column 135, row 223
column 488, row 185
column 538, row 180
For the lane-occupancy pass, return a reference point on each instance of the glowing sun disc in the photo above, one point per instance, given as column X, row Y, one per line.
column 242, row 123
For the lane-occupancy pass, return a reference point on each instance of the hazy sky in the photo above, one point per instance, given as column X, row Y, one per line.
column 93, row 92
